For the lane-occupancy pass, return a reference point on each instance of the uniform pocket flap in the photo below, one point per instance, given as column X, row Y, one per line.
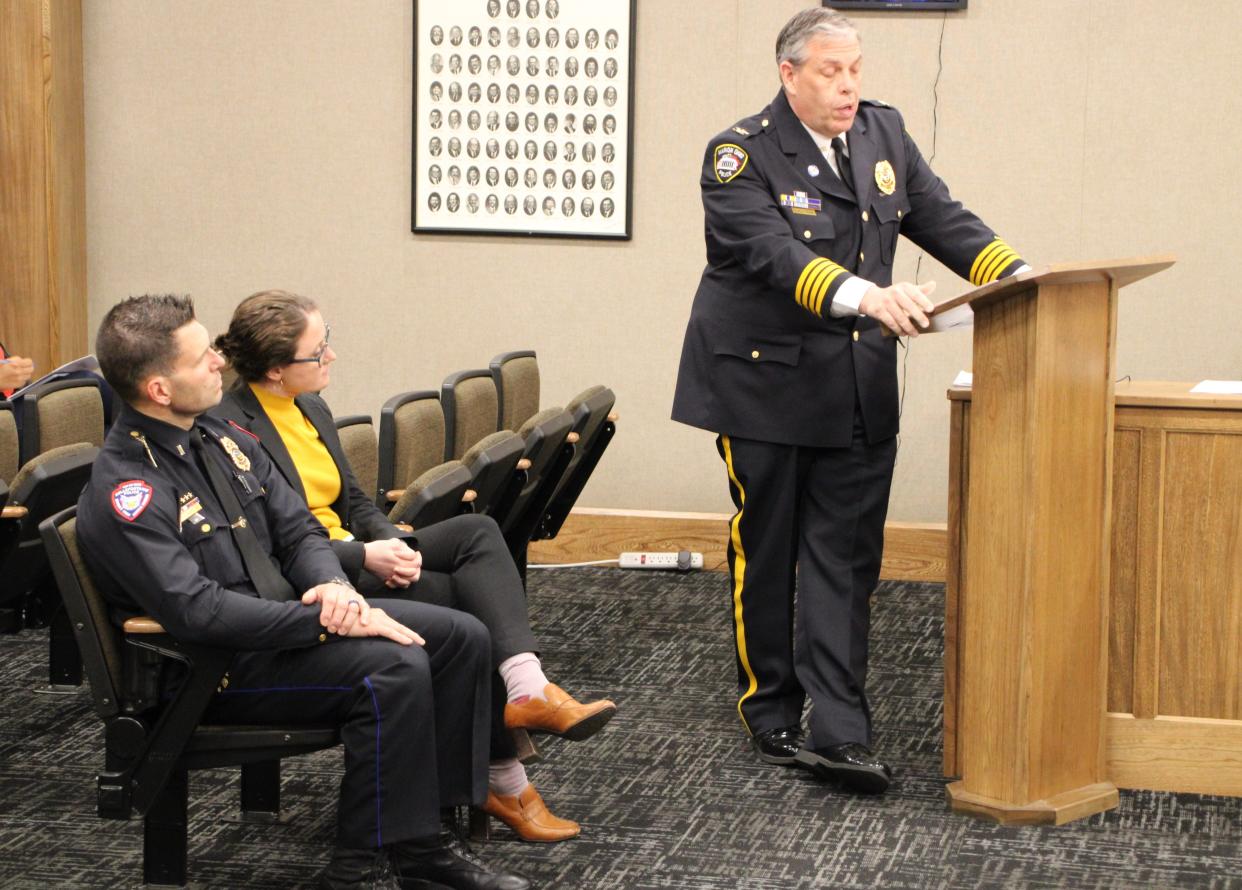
column 813, row 228
column 757, row 347
column 892, row 210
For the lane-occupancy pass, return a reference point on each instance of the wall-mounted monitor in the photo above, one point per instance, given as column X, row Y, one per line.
column 895, row 5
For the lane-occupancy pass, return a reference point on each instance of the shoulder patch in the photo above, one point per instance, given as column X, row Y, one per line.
column 130, row 498
column 729, row 161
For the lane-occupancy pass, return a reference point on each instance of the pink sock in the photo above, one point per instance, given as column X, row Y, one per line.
column 507, row 777
column 523, row 676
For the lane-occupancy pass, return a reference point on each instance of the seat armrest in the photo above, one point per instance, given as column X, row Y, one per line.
column 613, row 415
column 12, row 512
column 393, row 495
column 468, row 496
column 143, row 626
column 403, row 526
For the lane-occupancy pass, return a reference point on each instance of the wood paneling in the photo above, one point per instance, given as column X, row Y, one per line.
column 1123, row 581
column 1201, row 576
column 912, row 551
column 1175, row 590
column 1195, row 755
column 42, row 182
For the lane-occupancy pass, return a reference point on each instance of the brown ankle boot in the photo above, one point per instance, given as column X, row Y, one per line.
column 529, row 817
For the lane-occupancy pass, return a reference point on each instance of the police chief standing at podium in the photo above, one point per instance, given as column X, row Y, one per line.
column 786, row 361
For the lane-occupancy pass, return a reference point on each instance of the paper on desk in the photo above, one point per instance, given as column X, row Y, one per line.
column 958, row 317
column 1219, row 387
column 964, row 379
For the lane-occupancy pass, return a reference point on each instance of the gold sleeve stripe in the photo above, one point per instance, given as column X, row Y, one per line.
column 992, row 272
column 822, row 292
column 990, row 261
column 814, row 282
column 822, row 271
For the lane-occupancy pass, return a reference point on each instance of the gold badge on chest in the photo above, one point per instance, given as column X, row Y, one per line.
column 239, row 458
column 885, row 178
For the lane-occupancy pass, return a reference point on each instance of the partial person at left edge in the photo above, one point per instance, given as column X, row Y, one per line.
column 15, row 372
column 407, row 683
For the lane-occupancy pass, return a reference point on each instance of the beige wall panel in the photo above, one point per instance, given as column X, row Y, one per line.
column 239, row 145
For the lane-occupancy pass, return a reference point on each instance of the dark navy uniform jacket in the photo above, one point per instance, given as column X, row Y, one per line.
column 763, row 358
column 157, row 542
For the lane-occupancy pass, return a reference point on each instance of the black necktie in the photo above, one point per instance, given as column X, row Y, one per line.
column 843, row 162
column 270, row 584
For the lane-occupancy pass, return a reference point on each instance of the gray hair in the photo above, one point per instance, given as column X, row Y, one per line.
column 814, row 22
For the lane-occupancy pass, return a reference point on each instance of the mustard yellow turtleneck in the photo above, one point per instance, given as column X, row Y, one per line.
column 320, row 478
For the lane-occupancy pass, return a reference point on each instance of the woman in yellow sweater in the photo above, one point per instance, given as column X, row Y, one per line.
column 277, row 342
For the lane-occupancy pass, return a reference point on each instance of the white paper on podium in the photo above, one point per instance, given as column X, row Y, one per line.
column 1219, row 387
column 958, row 317
column 964, row 379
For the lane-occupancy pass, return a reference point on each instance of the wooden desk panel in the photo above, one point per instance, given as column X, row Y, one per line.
column 1175, row 623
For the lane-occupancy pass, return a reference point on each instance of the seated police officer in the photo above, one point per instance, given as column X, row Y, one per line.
column 156, row 528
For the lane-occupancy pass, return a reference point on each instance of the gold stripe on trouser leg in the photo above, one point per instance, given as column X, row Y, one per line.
column 739, row 575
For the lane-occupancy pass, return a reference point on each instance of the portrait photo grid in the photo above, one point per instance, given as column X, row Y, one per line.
column 522, row 116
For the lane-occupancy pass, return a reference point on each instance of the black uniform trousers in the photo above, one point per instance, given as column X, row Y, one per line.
column 810, row 519
column 467, row 566
column 413, row 718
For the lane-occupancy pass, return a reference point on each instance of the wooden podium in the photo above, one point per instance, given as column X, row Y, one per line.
column 1036, row 560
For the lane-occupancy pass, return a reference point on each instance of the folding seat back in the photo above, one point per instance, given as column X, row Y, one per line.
column 494, row 465
column 63, row 412
column 411, row 441
column 436, row 495
column 45, row 485
column 151, row 744
column 416, row 485
column 547, row 452
column 516, row 375
column 361, row 449
column 595, row 423
column 10, row 453
column 471, row 412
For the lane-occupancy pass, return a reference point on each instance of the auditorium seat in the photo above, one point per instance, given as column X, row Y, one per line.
column 63, row 412
column 357, row 434
column 595, row 423
column 546, row 454
column 516, row 376
column 416, row 485
column 471, row 410
column 151, row 744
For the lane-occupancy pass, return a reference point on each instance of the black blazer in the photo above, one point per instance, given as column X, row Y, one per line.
column 358, row 513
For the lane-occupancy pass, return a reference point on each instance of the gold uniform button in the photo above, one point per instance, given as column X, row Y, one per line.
column 865, row 217
column 764, row 122
column 754, row 353
column 224, row 684
column 856, row 336
column 206, row 527
column 323, row 638
column 806, row 234
column 861, row 256
column 134, row 434
column 899, row 214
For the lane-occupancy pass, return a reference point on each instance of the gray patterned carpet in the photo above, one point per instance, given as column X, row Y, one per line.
column 669, row 794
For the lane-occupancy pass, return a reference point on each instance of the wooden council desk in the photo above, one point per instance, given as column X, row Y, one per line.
column 1175, row 589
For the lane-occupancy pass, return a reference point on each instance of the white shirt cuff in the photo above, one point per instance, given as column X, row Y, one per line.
column 848, row 296
column 1018, row 271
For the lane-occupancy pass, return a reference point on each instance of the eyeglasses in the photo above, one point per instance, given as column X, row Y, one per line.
column 317, row 358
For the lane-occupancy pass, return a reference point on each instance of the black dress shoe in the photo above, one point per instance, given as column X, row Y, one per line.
column 358, row 870
column 444, row 863
column 851, row 764
column 779, row 746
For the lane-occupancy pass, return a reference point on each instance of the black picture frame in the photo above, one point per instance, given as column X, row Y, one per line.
column 523, row 118
column 897, row 5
